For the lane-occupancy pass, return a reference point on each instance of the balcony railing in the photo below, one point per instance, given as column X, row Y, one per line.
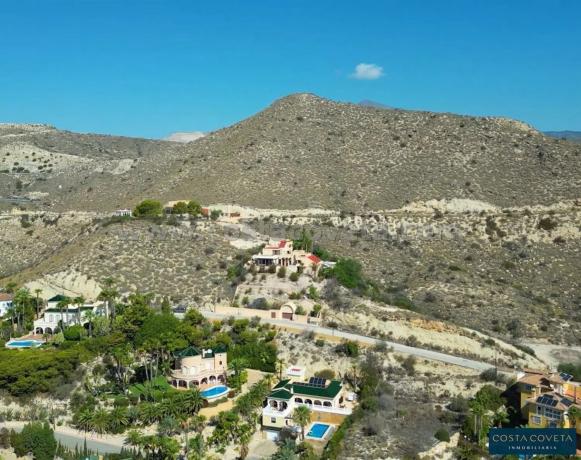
column 333, row 410
column 273, row 412
column 178, row 374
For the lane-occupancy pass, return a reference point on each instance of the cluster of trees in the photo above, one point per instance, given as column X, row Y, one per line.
column 154, row 208
column 39, row 371
column 136, row 343
column 25, row 308
column 36, row 438
column 487, row 409
column 239, row 423
column 170, row 407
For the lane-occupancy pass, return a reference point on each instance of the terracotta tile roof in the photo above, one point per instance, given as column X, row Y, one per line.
column 281, row 244
column 4, row 296
column 313, row 258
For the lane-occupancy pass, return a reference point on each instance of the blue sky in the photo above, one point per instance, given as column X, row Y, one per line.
column 148, row 68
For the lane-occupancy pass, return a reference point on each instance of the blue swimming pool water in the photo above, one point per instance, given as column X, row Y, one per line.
column 214, row 392
column 23, row 344
column 318, row 430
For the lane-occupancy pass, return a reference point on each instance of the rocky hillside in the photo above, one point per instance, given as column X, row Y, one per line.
column 303, row 151
column 510, row 272
column 42, row 167
column 76, row 252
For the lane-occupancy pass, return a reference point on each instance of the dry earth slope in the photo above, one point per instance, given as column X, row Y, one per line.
column 301, row 151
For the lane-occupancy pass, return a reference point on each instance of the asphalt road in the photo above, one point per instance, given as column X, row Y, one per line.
column 363, row 339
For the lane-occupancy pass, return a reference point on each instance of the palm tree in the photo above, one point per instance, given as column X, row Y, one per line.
column 302, row 417
column 90, row 317
column 286, row 452
column 79, row 301
column 37, row 291
column 280, row 367
column 61, row 305
column 85, row 421
column 118, row 419
column 22, row 302
column 191, row 401
column 244, row 437
column 196, row 449
column 134, row 439
column 109, row 294
column 100, row 420
column 238, row 365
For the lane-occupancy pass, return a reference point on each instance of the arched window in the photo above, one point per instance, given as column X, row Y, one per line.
column 327, row 404
column 317, row 402
column 299, row 400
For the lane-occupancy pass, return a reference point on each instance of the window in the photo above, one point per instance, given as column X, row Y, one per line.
column 536, row 419
column 272, row 420
column 552, row 413
column 220, row 363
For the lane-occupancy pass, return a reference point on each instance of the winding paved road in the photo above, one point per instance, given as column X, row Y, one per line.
column 365, row 340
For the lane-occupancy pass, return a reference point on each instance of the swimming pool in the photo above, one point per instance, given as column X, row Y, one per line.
column 318, row 430
column 23, row 343
column 215, row 392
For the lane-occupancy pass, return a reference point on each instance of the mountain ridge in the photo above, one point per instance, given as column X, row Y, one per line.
column 304, row 150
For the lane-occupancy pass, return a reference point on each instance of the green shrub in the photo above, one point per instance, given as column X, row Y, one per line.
column 36, row 438
column 148, row 208
column 348, row 273
column 442, row 435
column 348, row 348
column 75, row 332
column 328, row 374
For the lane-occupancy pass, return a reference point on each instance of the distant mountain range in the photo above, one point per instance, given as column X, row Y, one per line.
column 573, row 136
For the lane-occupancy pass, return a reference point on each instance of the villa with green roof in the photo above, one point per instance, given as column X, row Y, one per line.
column 325, row 398
column 55, row 317
column 199, row 368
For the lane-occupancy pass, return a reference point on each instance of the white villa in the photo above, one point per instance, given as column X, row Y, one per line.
column 52, row 318
column 326, row 399
column 282, row 253
column 199, row 368
column 5, row 303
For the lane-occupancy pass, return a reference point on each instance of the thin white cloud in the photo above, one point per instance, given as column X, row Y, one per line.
column 367, row 72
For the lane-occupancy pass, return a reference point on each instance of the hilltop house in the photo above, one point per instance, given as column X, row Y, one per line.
column 282, row 254
column 549, row 400
column 123, row 213
column 199, row 368
column 53, row 319
column 326, row 399
column 5, row 303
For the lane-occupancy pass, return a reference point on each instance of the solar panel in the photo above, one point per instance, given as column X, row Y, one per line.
column 566, row 402
column 317, row 382
column 566, row 377
column 554, row 402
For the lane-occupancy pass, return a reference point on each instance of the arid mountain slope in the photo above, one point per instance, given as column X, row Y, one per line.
column 307, row 151
column 304, row 150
